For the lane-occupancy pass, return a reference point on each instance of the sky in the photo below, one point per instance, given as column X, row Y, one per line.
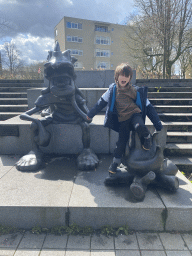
column 33, row 21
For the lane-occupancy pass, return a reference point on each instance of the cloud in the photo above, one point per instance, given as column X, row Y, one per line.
column 31, row 22
column 33, row 48
column 39, row 17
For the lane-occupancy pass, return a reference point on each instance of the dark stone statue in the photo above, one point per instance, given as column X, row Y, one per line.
column 60, row 102
column 142, row 168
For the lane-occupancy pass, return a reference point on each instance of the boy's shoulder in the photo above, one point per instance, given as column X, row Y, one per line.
column 112, row 85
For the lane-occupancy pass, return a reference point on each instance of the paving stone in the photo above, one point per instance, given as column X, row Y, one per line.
column 47, row 252
column 149, row 241
column 32, row 241
column 10, row 241
column 79, row 242
column 102, row 253
column 188, row 240
column 28, row 199
column 57, row 242
column 172, row 241
column 153, row 253
column 126, row 242
column 92, row 203
column 102, row 242
column 178, row 253
column 7, row 252
column 127, row 252
column 6, row 163
column 27, row 252
column 178, row 205
column 77, row 253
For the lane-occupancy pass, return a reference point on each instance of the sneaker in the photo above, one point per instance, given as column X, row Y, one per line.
column 147, row 143
column 113, row 168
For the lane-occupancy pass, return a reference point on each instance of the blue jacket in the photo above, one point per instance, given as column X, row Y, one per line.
column 111, row 116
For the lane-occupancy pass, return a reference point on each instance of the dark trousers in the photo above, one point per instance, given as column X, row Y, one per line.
column 135, row 123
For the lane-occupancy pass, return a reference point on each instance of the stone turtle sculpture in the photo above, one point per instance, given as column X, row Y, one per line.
column 60, row 102
column 142, row 168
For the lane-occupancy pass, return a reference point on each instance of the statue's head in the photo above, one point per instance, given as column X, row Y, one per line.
column 59, row 69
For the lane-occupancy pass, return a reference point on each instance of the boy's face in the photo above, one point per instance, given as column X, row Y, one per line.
column 123, row 80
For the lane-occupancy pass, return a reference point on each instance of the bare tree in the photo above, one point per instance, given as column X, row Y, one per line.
column 12, row 57
column 5, row 25
column 165, row 27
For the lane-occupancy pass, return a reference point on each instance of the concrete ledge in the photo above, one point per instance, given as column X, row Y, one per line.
column 59, row 194
column 66, row 138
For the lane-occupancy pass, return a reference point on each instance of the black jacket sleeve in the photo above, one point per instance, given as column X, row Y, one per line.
column 153, row 116
column 101, row 103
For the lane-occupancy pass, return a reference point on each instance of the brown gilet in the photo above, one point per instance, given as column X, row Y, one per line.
column 126, row 107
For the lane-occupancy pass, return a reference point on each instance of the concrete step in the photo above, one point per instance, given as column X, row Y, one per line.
column 169, row 94
column 171, row 101
column 65, row 139
column 175, row 117
column 8, row 115
column 170, row 89
column 13, row 101
column 179, row 137
column 59, row 194
column 183, row 163
column 13, row 94
column 28, row 83
column 13, row 108
column 179, row 126
column 173, row 109
column 15, row 89
column 176, row 149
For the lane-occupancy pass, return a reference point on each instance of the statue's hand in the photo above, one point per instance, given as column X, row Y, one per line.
column 89, row 120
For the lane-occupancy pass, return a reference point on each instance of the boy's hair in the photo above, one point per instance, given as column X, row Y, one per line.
column 123, row 69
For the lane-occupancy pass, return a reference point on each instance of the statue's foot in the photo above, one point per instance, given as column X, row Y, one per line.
column 137, row 190
column 139, row 185
column 87, row 160
column 30, row 162
column 119, row 178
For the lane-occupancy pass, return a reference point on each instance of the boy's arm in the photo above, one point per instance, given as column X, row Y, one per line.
column 101, row 103
column 153, row 116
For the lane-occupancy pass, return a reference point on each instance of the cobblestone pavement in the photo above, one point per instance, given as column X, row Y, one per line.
column 135, row 244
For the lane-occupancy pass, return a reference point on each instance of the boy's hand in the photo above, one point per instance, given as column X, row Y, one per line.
column 89, row 120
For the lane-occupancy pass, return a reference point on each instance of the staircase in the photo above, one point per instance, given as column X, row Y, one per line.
column 172, row 102
column 13, row 96
column 174, row 106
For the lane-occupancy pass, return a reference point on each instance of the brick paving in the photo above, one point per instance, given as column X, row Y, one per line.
column 135, row 244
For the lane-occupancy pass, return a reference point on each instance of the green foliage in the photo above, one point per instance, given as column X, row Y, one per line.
column 107, row 230
column 58, row 230
column 158, row 88
column 73, row 229
column 36, row 230
column 123, row 230
column 4, row 230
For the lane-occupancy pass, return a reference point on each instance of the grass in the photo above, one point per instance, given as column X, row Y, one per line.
column 73, row 229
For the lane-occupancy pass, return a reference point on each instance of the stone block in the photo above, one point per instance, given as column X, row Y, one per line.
column 92, row 203
column 178, row 206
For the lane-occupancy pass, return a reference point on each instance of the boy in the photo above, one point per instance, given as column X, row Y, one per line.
column 127, row 107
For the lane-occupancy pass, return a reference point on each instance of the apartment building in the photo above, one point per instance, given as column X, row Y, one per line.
column 96, row 45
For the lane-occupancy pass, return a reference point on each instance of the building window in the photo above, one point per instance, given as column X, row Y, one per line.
column 102, row 65
column 78, row 65
column 102, row 53
column 74, row 25
column 75, row 39
column 56, row 32
column 76, row 52
column 101, row 28
column 102, row 40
